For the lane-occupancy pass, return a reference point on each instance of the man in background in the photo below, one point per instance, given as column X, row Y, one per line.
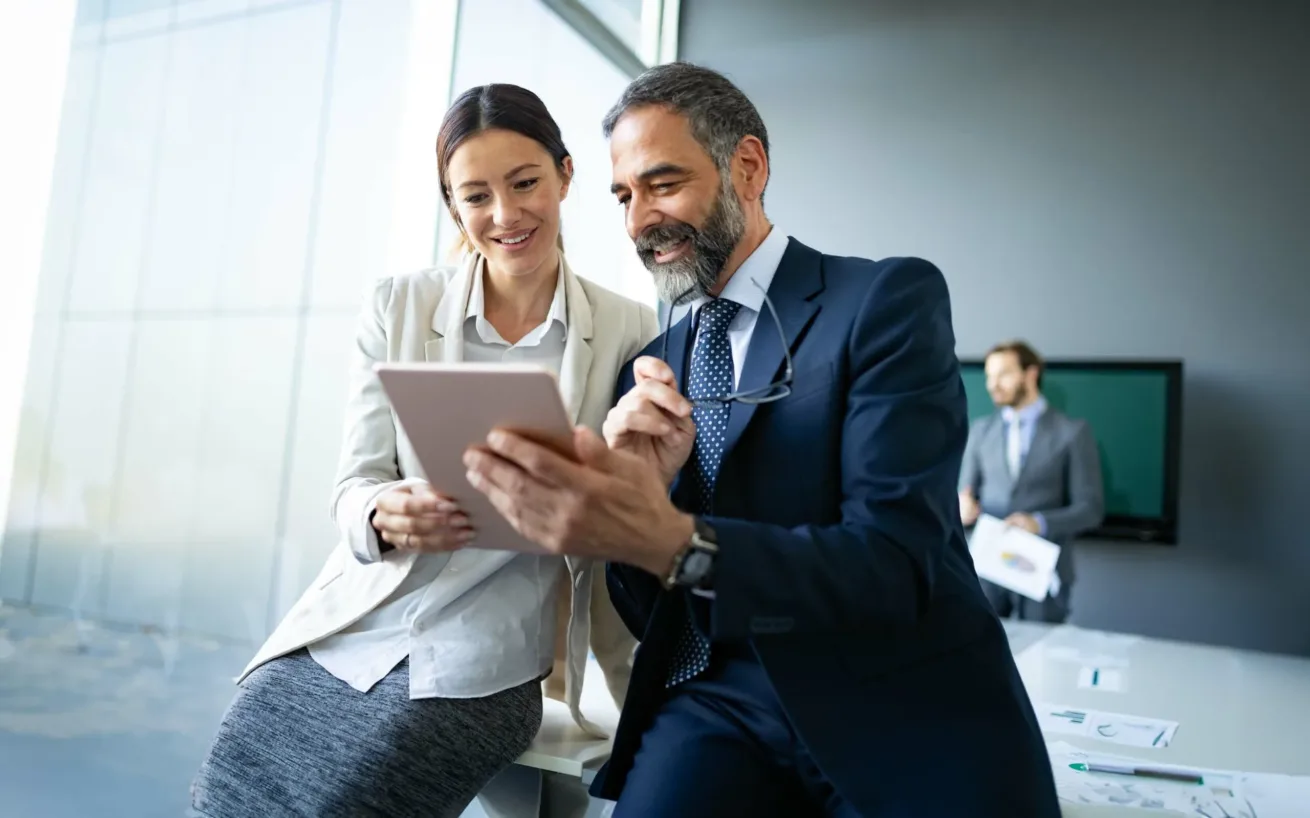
column 1034, row 467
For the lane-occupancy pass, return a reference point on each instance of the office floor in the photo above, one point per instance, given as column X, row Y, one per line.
column 103, row 721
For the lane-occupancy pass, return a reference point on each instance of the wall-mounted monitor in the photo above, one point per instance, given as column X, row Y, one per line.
column 1135, row 410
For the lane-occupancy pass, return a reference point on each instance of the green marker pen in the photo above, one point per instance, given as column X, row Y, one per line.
column 1187, row 776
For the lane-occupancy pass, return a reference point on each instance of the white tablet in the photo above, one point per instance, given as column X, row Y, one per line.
column 445, row 408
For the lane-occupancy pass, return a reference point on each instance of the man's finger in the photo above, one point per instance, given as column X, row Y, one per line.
column 513, row 508
column 650, row 368
column 487, row 470
column 592, row 451
column 661, row 395
column 543, row 463
column 648, row 420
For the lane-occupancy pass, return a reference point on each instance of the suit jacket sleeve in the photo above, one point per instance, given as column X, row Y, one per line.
column 971, row 467
column 1086, row 496
column 367, row 467
column 903, row 438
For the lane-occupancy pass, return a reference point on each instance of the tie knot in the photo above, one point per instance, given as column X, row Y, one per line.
column 717, row 313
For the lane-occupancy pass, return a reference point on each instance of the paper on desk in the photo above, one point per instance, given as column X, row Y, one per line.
column 1220, row 794
column 1225, row 792
column 1118, row 728
column 1012, row 558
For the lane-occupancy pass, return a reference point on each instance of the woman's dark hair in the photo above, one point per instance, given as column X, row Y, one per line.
column 496, row 106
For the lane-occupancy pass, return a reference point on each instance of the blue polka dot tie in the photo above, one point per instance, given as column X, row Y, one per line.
column 710, row 375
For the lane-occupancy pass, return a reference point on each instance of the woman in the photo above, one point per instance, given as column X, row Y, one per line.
column 410, row 672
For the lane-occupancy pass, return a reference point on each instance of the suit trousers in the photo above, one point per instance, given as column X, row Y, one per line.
column 721, row 746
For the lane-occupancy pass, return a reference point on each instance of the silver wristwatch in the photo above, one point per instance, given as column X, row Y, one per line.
column 693, row 567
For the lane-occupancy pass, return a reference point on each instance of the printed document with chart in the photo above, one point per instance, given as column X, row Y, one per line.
column 1012, row 558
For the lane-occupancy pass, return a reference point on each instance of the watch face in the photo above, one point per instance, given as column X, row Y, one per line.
column 696, row 565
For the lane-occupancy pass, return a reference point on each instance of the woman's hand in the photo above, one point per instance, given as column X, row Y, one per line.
column 416, row 518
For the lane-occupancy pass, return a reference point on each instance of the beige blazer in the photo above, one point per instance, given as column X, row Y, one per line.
column 421, row 317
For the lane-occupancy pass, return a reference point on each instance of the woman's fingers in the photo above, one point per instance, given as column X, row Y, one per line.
column 447, row 539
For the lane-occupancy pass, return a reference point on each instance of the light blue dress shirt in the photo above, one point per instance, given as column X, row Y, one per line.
column 1027, row 419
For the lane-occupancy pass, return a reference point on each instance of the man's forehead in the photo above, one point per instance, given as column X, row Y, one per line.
column 649, row 136
column 1001, row 361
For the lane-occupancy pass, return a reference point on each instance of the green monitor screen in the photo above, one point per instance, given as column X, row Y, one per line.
column 1134, row 409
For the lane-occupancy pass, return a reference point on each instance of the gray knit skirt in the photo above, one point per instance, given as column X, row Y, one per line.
column 297, row 741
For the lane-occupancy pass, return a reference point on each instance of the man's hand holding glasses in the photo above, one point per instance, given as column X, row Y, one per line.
column 653, row 421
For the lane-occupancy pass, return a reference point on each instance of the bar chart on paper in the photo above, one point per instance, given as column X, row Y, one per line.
column 1117, row 728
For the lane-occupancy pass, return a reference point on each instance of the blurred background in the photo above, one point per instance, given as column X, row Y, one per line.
column 196, row 193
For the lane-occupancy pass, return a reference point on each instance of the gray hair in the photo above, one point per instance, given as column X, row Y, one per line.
column 719, row 113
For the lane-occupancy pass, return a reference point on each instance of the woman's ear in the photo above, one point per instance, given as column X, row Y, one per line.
column 566, row 171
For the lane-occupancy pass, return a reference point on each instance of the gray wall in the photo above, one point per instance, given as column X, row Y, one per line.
column 1105, row 179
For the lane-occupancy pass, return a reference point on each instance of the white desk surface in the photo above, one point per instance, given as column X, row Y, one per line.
column 1237, row 710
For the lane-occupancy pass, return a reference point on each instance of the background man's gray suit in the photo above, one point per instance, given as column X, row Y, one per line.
column 1060, row 479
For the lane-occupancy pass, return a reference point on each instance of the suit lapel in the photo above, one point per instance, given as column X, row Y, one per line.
column 1040, row 447
column 680, row 350
column 448, row 319
column 798, row 279
column 577, row 345
column 679, row 354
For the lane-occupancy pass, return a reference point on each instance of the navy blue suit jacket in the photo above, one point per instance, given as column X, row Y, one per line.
column 842, row 557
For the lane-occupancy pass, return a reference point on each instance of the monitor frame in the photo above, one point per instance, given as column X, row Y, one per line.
column 1161, row 530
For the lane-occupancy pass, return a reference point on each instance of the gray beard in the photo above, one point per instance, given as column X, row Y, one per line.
column 693, row 276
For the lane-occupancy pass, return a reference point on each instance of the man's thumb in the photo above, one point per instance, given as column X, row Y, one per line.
column 591, row 449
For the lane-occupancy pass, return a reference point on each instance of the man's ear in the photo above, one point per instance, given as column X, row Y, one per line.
column 751, row 168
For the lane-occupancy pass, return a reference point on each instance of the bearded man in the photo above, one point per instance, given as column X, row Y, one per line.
column 776, row 498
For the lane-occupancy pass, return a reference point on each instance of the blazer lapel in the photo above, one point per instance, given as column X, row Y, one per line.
column 577, row 345
column 1039, row 448
column 798, row 279
column 679, row 350
column 993, row 446
column 678, row 356
column 448, row 318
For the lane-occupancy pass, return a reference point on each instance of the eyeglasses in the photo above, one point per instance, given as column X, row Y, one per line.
column 769, row 393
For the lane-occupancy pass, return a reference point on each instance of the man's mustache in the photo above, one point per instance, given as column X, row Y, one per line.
column 663, row 235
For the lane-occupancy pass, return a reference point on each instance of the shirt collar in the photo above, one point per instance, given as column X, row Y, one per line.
column 1028, row 414
column 558, row 312
column 760, row 267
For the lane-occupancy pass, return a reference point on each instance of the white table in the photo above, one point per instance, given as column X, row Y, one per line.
column 1238, row 710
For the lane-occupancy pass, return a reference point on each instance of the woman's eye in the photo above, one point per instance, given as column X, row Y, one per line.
column 476, row 198
column 525, row 184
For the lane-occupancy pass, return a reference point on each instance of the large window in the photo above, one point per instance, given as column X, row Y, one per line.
column 228, row 178
column 632, row 34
